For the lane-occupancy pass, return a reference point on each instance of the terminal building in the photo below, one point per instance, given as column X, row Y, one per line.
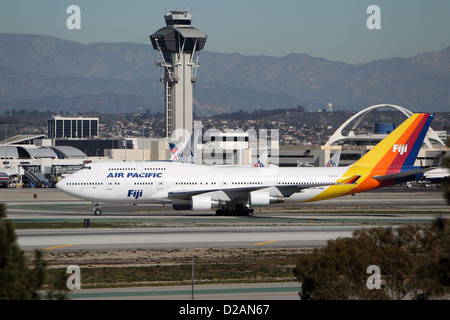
column 35, row 165
column 72, row 128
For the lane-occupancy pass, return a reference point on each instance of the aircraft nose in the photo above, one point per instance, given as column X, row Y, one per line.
column 61, row 185
column 58, row 185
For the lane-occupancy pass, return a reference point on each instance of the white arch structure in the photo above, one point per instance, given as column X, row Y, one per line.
column 338, row 136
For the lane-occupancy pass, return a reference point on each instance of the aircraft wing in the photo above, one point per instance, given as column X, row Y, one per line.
column 186, row 195
column 402, row 174
column 240, row 192
column 288, row 190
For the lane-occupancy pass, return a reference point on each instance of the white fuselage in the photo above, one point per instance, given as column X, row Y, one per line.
column 153, row 182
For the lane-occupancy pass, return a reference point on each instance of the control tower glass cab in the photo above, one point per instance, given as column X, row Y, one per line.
column 178, row 18
column 178, row 45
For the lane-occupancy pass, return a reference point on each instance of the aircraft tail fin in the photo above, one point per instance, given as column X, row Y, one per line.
column 334, row 160
column 398, row 151
column 392, row 160
column 262, row 160
column 186, row 152
column 173, row 147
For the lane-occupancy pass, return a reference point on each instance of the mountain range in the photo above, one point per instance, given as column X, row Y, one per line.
column 48, row 73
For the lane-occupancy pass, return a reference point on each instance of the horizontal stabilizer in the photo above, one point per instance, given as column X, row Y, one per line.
column 350, row 180
column 402, row 174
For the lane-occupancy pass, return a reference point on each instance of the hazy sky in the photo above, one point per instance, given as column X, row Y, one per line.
column 331, row 29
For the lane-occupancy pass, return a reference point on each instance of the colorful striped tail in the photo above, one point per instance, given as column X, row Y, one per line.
column 394, row 154
column 390, row 161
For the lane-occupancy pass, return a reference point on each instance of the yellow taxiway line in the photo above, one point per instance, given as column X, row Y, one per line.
column 66, row 245
column 262, row 243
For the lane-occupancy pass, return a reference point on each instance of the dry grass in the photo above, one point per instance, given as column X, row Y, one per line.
column 123, row 268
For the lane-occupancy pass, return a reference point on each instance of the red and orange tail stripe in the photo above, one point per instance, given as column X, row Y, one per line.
column 396, row 153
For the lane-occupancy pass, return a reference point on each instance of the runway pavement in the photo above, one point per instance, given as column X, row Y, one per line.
column 171, row 238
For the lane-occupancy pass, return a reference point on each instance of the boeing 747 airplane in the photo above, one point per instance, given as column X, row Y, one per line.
column 234, row 190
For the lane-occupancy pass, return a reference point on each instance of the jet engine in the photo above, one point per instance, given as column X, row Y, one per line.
column 262, row 198
column 203, row 203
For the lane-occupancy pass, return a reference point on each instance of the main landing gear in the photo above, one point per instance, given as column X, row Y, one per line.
column 235, row 211
column 97, row 210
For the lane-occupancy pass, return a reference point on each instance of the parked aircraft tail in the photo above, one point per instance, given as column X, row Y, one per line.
column 334, row 160
column 186, row 152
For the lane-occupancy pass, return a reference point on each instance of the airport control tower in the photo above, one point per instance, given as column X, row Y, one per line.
column 178, row 45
